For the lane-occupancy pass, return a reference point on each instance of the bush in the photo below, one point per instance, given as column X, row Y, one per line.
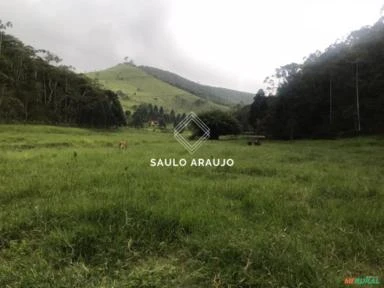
column 220, row 123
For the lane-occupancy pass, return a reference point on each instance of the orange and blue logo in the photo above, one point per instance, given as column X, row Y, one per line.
column 365, row 280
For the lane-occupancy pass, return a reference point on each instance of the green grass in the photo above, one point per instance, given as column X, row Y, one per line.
column 75, row 211
column 141, row 87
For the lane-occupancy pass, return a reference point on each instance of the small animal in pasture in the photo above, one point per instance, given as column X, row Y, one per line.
column 123, row 145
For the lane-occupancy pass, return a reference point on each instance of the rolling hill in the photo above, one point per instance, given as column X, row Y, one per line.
column 215, row 94
column 135, row 86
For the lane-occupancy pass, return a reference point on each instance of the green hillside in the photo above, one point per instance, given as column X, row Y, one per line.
column 135, row 87
column 215, row 94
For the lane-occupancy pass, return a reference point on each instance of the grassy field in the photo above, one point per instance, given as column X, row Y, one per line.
column 141, row 87
column 75, row 211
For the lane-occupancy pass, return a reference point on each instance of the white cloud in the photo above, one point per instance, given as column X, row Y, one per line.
column 228, row 43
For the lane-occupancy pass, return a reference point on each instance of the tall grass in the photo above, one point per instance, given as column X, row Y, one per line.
column 75, row 211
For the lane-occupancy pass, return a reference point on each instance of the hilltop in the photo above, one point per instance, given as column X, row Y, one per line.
column 135, row 86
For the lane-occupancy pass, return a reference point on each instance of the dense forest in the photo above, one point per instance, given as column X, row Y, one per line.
column 214, row 94
column 35, row 88
column 339, row 92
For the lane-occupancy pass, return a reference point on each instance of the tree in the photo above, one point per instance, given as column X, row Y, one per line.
column 172, row 116
column 241, row 113
column 3, row 27
column 258, row 111
column 140, row 116
column 220, row 123
column 155, row 112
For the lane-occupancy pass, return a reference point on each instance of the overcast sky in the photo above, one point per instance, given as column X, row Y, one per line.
column 233, row 44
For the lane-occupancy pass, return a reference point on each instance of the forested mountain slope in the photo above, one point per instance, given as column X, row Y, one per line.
column 33, row 90
column 337, row 92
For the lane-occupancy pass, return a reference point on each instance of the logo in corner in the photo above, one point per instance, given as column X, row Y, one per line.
column 191, row 147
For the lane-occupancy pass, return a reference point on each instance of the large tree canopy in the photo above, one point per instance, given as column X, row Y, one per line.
column 220, row 123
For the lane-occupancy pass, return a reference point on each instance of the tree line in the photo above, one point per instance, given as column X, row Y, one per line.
column 339, row 92
column 35, row 88
column 148, row 113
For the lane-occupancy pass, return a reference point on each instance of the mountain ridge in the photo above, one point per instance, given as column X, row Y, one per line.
column 214, row 93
